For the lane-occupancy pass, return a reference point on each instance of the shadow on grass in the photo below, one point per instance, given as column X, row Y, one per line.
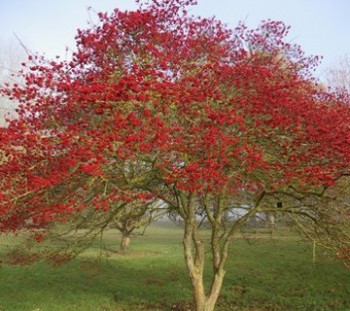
column 86, row 284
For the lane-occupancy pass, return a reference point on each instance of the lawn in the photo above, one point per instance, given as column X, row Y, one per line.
column 263, row 273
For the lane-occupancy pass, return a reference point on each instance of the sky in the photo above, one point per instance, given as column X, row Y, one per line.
column 321, row 27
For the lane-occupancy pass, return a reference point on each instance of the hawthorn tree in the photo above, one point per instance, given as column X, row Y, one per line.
column 157, row 104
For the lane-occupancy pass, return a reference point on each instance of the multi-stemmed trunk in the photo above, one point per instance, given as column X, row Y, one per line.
column 195, row 260
column 194, row 249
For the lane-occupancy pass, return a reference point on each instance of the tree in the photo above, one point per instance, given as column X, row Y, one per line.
column 10, row 64
column 339, row 76
column 134, row 216
column 206, row 116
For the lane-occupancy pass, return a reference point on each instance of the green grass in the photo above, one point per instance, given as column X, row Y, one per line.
column 262, row 274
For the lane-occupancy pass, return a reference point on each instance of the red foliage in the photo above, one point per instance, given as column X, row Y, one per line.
column 344, row 255
column 182, row 100
column 58, row 259
column 19, row 257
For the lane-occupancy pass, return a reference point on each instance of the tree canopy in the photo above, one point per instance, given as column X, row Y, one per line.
column 157, row 104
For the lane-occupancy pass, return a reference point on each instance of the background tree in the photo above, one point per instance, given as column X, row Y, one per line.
column 11, row 56
column 205, row 115
column 135, row 216
column 339, row 75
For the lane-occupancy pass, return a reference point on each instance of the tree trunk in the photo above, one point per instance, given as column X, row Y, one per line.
column 203, row 302
column 124, row 243
column 195, row 257
column 198, row 292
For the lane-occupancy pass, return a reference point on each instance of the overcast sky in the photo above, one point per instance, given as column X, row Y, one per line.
column 321, row 27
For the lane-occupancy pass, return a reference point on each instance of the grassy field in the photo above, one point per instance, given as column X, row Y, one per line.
column 264, row 273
